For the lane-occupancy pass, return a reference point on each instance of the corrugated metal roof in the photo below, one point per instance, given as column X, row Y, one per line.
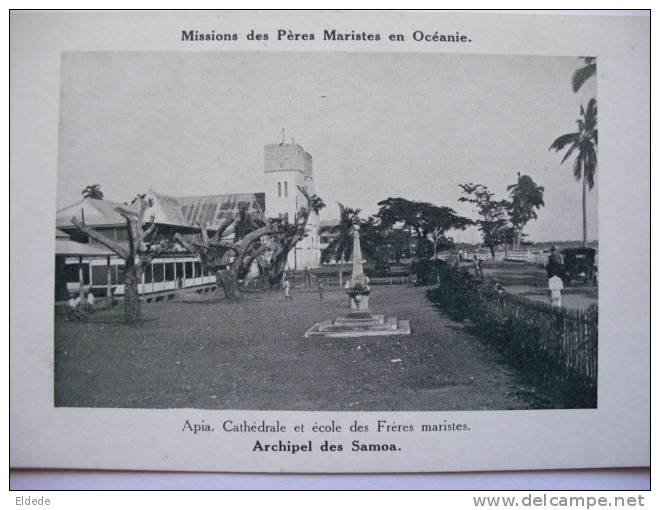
column 212, row 209
column 167, row 210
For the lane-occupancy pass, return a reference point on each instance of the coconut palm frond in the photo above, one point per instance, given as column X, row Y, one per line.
column 577, row 167
column 590, row 162
column 581, row 75
column 564, row 140
column 569, row 152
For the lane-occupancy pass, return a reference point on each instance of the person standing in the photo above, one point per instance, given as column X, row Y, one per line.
column 554, row 266
column 320, row 287
column 287, row 291
column 556, row 286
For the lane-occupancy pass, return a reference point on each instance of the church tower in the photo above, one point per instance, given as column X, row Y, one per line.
column 287, row 166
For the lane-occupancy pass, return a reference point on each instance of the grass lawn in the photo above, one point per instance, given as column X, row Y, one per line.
column 252, row 355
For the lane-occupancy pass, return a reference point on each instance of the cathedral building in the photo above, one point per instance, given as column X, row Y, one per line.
column 288, row 167
column 80, row 261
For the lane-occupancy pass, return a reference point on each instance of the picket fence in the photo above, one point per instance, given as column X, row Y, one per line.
column 568, row 336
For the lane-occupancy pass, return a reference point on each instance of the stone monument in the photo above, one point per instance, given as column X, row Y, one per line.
column 359, row 321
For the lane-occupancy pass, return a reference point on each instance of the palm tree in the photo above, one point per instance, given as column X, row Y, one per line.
column 340, row 247
column 581, row 75
column 526, row 197
column 585, row 142
column 93, row 191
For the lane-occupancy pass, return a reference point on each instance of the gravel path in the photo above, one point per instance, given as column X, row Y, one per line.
column 253, row 356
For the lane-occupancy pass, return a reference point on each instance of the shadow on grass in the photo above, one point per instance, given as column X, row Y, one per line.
column 546, row 386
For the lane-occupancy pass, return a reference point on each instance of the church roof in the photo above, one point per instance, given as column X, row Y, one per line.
column 184, row 212
column 69, row 248
column 212, row 209
column 166, row 210
column 95, row 213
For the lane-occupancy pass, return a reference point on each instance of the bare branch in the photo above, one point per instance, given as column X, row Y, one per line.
column 127, row 211
column 150, row 229
column 227, row 222
column 102, row 239
column 253, row 254
column 244, row 244
column 185, row 244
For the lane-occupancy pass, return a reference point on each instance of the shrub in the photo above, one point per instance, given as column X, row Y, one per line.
column 530, row 335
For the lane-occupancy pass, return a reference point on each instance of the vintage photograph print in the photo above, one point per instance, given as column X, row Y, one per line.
column 326, row 231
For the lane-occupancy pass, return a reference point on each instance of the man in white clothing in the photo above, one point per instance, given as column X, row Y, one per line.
column 556, row 286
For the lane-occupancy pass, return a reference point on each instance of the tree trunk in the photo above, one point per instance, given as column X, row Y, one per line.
column 492, row 251
column 229, row 284
column 132, row 304
column 584, row 211
column 276, row 268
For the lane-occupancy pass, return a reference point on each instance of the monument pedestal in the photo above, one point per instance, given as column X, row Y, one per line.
column 358, row 300
column 351, row 327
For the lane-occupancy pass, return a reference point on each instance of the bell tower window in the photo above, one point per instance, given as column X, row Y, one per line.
column 279, row 189
column 286, row 188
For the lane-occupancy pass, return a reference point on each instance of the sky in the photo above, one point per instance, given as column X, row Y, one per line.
column 378, row 125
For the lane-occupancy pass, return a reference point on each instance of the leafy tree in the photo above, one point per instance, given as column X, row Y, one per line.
column 144, row 244
column 340, row 248
column 372, row 240
column 584, row 143
column 581, row 75
column 526, row 197
column 93, row 191
column 493, row 222
column 395, row 243
column 427, row 222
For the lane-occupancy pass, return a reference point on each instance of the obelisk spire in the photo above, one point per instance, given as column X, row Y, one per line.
column 357, row 276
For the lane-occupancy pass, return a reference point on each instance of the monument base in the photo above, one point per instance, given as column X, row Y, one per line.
column 359, row 302
column 357, row 324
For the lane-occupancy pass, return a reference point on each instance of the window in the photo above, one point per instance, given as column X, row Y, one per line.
column 99, row 275
column 121, row 274
column 158, row 273
column 121, row 234
column 179, row 269
column 198, row 269
column 71, row 272
column 279, row 189
column 189, row 268
column 286, row 189
column 147, row 274
column 169, row 271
